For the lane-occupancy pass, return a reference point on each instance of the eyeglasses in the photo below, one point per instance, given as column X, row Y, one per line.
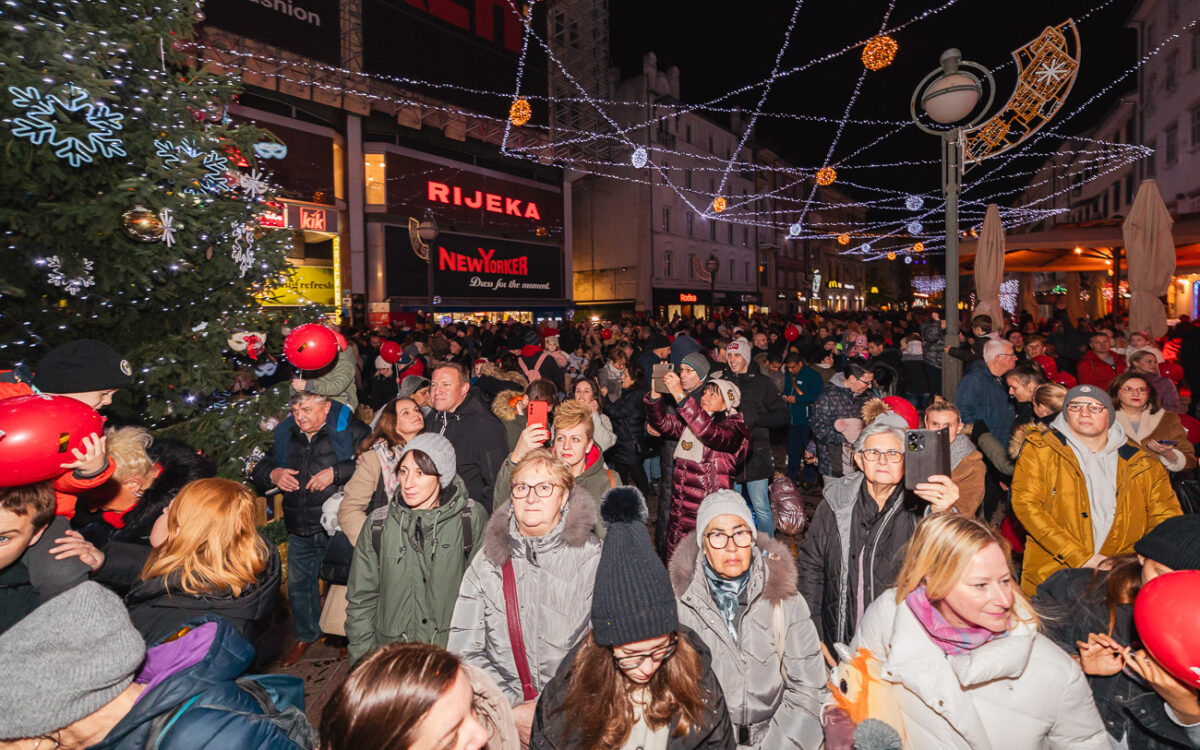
column 720, row 540
column 888, row 457
column 658, row 656
column 541, row 489
column 1131, row 389
column 1092, row 408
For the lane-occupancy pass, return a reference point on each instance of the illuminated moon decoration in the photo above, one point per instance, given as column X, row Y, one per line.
column 1047, row 68
column 639, row 157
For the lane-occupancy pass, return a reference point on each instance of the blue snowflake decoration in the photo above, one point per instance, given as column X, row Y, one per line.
column 794, row 230
column 216, row 165
column 914, row 202
column 42, row 123
column 639, row 157
column 914, row 227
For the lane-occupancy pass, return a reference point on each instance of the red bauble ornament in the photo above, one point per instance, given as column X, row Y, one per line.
column 1165, row 613
column 391, row 352
column 38, row 435
column 310, row 346
column 791, row 333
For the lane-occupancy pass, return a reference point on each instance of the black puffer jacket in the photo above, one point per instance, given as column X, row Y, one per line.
column 302, row 508
column 1072, row 604
column 158, row 608
column 550, row 730
column 628, row 415
column 480, row 444
column 762, row 408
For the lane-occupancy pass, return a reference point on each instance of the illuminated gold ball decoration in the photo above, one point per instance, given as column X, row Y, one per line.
column 542, row 231
column 719, row 204
column 843, row 239
column 919, row 247
column 142, row 224
column 520, row 112
column 891, row 256
column 879, row 52
column 826, row 176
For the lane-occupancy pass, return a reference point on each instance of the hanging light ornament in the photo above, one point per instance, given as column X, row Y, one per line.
column 879, row 52
column 891, row 256
column 914, row 227
column 914, row 202
column 719, row 204
column 843, row 239
column 919, row 247
column 639, row 157
column 908, row 259
column 142, row 224
column 520, row 112
column 794, row 230
column 826, row 176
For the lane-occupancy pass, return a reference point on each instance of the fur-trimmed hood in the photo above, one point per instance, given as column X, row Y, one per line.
column 501, row 406
column 491, row 369
column 1017, row 441
column 573, row 530
column 180, row 464
column 782, row 574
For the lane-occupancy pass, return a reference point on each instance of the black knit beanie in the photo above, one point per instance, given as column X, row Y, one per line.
column 632, row 600
column 81, row 367
column 1175, row 543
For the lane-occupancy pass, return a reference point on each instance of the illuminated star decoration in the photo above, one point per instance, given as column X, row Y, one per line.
column 42, row 123
column 72, row 285
column 639, row 157
column 1051, row 71
column 169, row 226
column 242, row 247
column 253, row 183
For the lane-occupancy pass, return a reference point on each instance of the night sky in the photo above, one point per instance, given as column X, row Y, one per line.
column 722, row 46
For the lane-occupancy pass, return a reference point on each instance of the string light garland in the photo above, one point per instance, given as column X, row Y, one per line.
column 879, row 53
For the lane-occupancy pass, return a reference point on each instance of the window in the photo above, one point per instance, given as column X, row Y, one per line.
column 1172, row 12
column 731, row 270
column 746, row 271
column 712, row 230
column 1129, row 188
column 1169, row 75
column 691, row 265
column 666, row 220
column 710, row 145
column 1196, row 128
column 1148, row 94
column 1195, row 56
column 1148, row 162
column 375, row 177
column 1148, row 43
column 1171, row 144
column 730, row 233
column 689, row 224
column 667, row 264
column 687, row 133
column 1116, row 196
column 687, row 178
column 745, row 236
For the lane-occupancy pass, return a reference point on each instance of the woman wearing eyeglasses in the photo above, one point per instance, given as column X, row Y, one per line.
column 853, row 547
column 542, row 541
column 638, row 679
column 411, row 555
column 1148, row 424
column 737, row 591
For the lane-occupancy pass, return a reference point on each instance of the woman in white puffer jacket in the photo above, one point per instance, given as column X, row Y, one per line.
column 961, row 644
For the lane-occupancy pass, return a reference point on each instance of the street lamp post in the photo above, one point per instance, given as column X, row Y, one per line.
column 427, row 230
column 712, row 265
column 948, row 96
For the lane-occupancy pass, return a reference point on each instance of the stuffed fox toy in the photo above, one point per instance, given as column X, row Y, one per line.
column 867, row 699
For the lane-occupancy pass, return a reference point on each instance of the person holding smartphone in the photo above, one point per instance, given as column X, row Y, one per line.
column 1146, row 423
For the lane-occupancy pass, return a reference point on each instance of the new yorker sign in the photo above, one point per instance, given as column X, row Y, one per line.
column 474, row 267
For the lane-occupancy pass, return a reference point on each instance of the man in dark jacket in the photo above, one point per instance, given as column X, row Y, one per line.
column 879, row 351
column 762, row 408
column 983, row 395
column 312, row 456
column 76, row 670
column 478, row 437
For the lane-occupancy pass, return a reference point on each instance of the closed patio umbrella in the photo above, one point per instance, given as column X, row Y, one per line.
column 1150, row 256
column 989, row 268
column 1026, row 295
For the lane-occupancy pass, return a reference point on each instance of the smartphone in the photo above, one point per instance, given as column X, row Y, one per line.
column 926, row 453
column 657, row 373
column 537, row 413
column 1168, row 442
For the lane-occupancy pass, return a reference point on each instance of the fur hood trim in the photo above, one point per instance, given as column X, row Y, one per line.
column 501, row 407
column 782, row 573
column 1017, row 441
column 576, row 527
column 491, row 369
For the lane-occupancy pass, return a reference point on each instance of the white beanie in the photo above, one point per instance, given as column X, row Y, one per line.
column 382, row 364
column 721, row 503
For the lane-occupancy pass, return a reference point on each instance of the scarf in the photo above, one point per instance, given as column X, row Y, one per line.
column 389, row 465
column 953, row 640
column 726, row 593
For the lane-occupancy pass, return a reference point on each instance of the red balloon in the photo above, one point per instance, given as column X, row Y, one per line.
column 341, row 340
column 1165, row 614
column 390, row 351
column 310, row 347
column 1047, row 363
column 1064, row 379
column 1171, row 371
column 1191, row 426
column 606, row 334
column 791, row 333
column 38, row 433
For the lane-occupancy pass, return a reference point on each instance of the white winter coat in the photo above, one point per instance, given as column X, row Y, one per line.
column 1021, row 691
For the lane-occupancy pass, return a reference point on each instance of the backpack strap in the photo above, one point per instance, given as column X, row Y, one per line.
column 516, row 638
column 162, row 723
column 468, row 535
column 779, row 631
column 612, row 479
column 378, row 517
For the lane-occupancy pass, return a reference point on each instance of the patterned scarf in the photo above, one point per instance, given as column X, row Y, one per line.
column 726, row 593
column 953, row 640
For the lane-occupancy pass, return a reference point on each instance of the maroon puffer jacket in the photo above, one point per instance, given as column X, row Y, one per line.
column 726, row 441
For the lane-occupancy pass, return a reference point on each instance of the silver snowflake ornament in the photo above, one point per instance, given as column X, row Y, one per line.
column 1051, row 72
column 46, row 113
column 72, row 285
column 242, row 248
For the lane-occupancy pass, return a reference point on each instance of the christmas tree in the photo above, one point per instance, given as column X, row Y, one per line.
column 130, row 201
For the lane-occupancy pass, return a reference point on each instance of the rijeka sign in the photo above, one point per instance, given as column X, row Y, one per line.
column 440, row 192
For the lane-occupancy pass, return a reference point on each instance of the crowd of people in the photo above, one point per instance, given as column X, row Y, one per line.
column 565, row 537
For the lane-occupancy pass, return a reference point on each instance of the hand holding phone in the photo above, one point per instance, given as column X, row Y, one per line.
column 538, row 413
column 657, row 372
column 926, row 454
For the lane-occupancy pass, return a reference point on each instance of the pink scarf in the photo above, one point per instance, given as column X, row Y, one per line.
column 953, row 640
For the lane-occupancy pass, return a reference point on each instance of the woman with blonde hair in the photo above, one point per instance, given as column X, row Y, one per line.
column 207, row 558
column 962, row 647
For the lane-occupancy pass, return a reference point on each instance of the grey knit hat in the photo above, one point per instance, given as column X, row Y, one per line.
column 632, row 598
column 1092, row 392
column 721, row 503
column 439, row 450
column 411, row 384
column 66, row 659
column 698, row 362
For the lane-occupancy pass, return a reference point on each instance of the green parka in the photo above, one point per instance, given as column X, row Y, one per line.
column 407, row 590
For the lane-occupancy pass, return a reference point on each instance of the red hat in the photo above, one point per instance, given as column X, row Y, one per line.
column 904, row 409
